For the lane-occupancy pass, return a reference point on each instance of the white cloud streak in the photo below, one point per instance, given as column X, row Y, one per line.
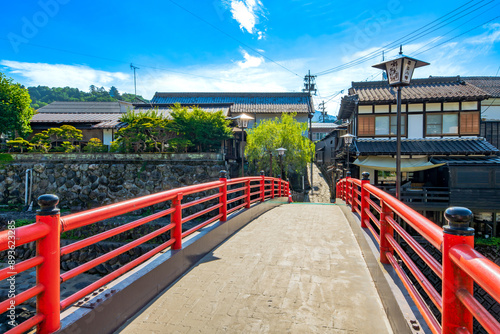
column 61, row 75
column 247, row 13
column 250, row 61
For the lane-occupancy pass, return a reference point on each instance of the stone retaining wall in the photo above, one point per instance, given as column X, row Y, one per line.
column 86, row 183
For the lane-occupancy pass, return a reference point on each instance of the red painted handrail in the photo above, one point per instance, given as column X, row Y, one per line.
column 49, row 226
column 462, row 265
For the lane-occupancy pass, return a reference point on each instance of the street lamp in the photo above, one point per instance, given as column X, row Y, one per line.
column 242, row 121
column 348, row 139
column 281, row 152
column 399, row 73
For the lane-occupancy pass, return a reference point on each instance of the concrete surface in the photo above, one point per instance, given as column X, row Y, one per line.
column 295, row 269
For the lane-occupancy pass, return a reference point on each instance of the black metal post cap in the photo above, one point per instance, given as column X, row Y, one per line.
column 348, row 174
column 47, row 204
column 262, row 172
column 366, row 175
column 459, row 219
column 223, row 174
column 279, row 176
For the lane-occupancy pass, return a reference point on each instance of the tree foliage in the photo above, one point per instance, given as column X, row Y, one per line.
column 44, row 141
column 17, row 144
column 43, row 95
column 205, row 130
column 283, row 132
column 145, row 133
column 15, row 110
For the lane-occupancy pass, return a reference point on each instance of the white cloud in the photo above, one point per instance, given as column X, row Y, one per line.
column 61, row 75
column 250, row 75
column 246, row 13
column 250, row 61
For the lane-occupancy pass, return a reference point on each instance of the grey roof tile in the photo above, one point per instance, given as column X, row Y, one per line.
column 458, row 146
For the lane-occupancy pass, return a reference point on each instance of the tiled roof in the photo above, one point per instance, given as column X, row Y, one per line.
column 324, row 125
column 243, row 102
column 166, row 109
column 490, row 160
column 101, row 120
column 490, row 85
column 83, row 107
column 459, row 146
column 420, row 90
column 347, row 106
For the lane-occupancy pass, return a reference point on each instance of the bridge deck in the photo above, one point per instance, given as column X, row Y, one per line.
column 297, row 268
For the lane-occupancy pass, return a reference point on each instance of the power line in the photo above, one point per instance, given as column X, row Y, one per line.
column 377, row 52
column 435, row 46
column 124, row 62
column 232, row 37
column 437, row 38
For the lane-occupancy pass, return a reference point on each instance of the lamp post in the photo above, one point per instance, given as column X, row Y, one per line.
column 348, row 139
column 242, row 121
column 399, row 73
column 281, row 152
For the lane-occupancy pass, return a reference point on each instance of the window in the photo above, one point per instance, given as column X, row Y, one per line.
column 469, row 123
column 366, row 126
column 442, row 124
column 319, row 135
column 380, row 125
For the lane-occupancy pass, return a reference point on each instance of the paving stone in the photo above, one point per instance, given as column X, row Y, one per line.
column 295, row 269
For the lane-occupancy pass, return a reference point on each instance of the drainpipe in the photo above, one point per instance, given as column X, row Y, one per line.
column 28, row 189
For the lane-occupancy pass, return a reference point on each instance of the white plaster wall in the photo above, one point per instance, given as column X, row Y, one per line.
column 490, row 109
column 415, row 126
column 107, row 136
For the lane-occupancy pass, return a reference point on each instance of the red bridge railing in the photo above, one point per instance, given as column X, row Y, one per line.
column 461, row 266
column 226, row 196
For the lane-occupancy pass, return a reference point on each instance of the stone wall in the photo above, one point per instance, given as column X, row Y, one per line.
column 83, row 182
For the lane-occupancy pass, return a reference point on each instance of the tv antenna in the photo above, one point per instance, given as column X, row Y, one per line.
column 135, row 85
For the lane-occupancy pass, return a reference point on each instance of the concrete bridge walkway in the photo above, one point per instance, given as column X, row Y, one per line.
column 296, row 269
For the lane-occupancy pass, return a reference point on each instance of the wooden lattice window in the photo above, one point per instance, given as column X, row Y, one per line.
column 469, row 123
column 366, row 126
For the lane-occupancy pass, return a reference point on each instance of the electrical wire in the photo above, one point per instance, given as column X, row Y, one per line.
column 125, row 62
column 393, row 45
column 480, row 25
column 376, row 53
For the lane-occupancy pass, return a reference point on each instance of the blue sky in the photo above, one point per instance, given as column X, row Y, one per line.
column 240, row 45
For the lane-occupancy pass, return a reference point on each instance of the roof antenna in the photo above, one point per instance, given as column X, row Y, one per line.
column 135, row 85
column 401, row 49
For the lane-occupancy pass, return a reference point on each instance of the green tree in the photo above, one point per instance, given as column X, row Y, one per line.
column 114, row 93
column 206, row 130
column 94, row 145
column 71, row 134
column 15, row 110
column 283, row 132
column 18, row 144
column 41, row 142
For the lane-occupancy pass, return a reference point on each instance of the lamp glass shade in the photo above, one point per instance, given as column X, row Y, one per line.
column 242, row 123
column 348, row 138
column 407, row 72
column 393, row 69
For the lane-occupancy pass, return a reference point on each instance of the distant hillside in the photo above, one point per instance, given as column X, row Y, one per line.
column 43, row 95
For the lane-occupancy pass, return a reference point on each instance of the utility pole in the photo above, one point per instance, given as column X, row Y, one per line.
column 310, row 87
column 322, row 107
column 135, row 85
